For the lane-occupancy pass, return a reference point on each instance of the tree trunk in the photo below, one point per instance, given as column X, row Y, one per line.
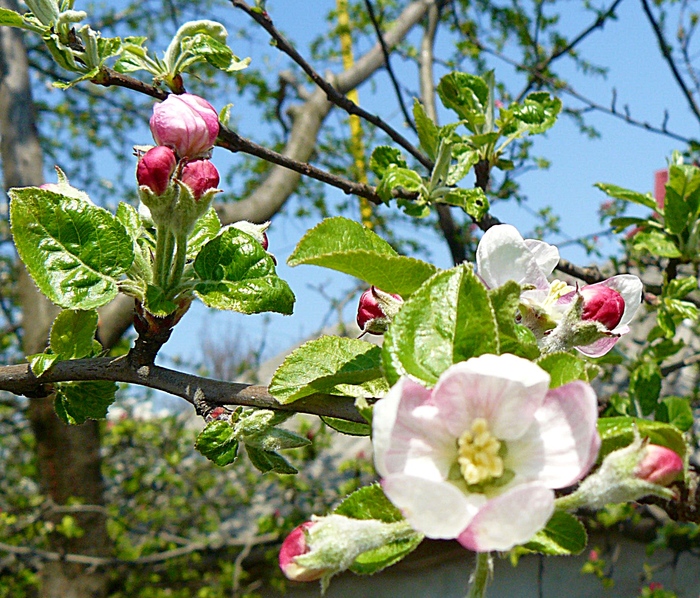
column 68, row 456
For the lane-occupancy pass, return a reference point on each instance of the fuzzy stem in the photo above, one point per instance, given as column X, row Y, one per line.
column 165, row 242
column 480, row 577
column 179, row 264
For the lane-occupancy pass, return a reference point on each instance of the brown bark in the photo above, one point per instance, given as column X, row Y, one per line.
column 68, row 456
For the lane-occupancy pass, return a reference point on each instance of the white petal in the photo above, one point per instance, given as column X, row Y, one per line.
column 563, row 443
column 437, row 509
column 509, row 519
column 631, row 288
column 408, row 435
column 503, row 255
column 503, row 389
column 547, row 255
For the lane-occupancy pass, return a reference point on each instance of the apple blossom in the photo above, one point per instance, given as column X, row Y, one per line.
column 186, row 123
column 155, row 168
column 503, row 255
column 376, row 309
column 477, row 457
column 200, row 176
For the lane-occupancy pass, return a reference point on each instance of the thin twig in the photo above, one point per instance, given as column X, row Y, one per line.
column 387, row 64
column 333, row 95
column 679, row 365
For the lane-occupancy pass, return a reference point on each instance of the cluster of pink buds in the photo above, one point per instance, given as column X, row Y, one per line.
column 185, row 128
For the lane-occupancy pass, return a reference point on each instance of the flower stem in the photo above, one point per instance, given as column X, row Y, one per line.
column 179, row 265
column 165, row 244
column 480, row 577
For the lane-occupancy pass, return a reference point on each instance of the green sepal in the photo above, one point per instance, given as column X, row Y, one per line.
column 75, row 251
column 447, row 320
column 330, row 365
column 236, row 273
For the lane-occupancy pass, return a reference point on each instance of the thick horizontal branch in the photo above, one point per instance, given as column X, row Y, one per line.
column 19, row 379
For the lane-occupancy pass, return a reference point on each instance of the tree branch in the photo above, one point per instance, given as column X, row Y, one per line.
column 19, row 379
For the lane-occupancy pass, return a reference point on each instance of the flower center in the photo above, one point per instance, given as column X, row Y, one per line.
column 557, row 290
column 479, row 454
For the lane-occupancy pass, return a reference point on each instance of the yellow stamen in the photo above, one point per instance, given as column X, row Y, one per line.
column 479, row 458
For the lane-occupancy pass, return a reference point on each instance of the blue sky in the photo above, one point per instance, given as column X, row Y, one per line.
column 625, row 155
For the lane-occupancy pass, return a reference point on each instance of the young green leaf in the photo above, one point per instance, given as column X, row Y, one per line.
column 10, row 18
column 237, row 274
column 645, row 386
column 448, row 319
column 428, row 131
column 73, row 333
column 218, row 443
column 473, row 201
column 328, row 365
column 467, row 95
column 268, row 461
column 565, row 368
column 643, row 199
column 618, row 432
column 205, row 229
column 396, row 177
column 78, row 401
column 656, row 243
column 513, row 338
column 346, row 427
column 346, row 246
column 563, row 535
column 675, row 411
column 75, row 251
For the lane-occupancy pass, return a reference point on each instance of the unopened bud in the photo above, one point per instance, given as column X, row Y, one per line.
column 200, row 176
column 295, row 545
column 602, row 304
column 660, row 465
column 187, row 123
column 376, row 310
column 155, row 168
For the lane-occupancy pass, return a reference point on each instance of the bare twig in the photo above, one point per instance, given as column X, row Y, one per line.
column 679, row 365
column 387, row 63
column 333, row 95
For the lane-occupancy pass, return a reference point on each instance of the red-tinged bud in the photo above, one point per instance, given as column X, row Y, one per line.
column 265, row 242
column 376, row 310
column 602, row 304
column 200, row 176
column 187, row 123
column 294, row 545
column 660, row 465
column 155, row 168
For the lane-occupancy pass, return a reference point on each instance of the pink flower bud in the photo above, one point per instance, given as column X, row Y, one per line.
column 155, row 168
column 294, row 545
column 372, row 311
column 200, row 176
column 602, row 304
column 660, row 465
column 265, row 242
column 187, row 123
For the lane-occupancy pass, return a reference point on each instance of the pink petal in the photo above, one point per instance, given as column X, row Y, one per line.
column 503, row 255
column 408, row 435
column 437, row 509
column 503, row 389
column 563, row 443
column 509, row 519
column 603, row 345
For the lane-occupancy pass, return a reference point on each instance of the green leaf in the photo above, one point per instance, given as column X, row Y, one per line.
column 157, row 303
column 218, row 54
column 371, row 503
column 205, row 229
column 396, row 177
column 73, row 334
column 565, row 368
column 42, row 362
column 267, row 461
column 645, row 386
column 130, row 219
column 643, row 199
column 74, row 251
column 447, row 320
column 275, row 439
column 384, row 156
column 428, row 132
column 473, row 201
column 678, row 288
column 324, row 364
column 512, row 337
column 619, row 224
column 11, row 18
column 675, row 411
column 465, row 157
column 346, row 427
column 78, row 401
column 237, row 274
column 346, row 246
column 537, row 113
column 218, row 443
column 618, row 432
column 563, row 535
column 682, row 197
column 656, row 243
column 467, row 95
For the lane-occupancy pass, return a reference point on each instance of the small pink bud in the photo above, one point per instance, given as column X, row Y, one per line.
column 265, row 242
column 200, row 176
column 660, row 465
column 372, row 313
column 187, row 123
column 294, row 545
column 602, row 304
column 155, row 168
